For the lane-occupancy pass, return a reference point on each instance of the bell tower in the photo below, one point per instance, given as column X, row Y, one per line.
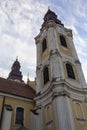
column 56, row 55
column 59, row 75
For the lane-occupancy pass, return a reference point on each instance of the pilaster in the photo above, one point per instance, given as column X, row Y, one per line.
column 62, row 114
column 6, row 120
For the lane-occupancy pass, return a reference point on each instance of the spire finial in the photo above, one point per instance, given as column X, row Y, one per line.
column 16, row 57
column 48, row 7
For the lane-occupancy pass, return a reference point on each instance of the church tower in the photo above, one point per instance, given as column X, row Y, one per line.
column 56, row 54
column 58, row 71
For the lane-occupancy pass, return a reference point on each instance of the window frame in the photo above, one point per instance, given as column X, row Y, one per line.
column 44, row 45
column 63, row 41
column 70, row 71
column 23, row 115
column 45, row 81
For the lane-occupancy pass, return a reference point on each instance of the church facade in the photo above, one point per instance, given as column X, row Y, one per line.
column 59, row 101
column 16, row 100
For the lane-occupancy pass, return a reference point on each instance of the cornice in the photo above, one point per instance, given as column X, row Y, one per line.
column 77, row 62
column 16, row 97
column 37, row 39
column 48, row 24
column 69, row 32
column 60, row 88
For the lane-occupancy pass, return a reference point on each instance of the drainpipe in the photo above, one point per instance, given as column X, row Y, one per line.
column 2, row 111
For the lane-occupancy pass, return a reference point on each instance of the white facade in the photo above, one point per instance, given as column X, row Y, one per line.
column 55, row 91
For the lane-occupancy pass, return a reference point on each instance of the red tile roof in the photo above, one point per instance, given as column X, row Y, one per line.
column 16, row 88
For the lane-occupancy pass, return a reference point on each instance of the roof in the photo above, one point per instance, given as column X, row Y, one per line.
column 16, row 88
column 50, row 15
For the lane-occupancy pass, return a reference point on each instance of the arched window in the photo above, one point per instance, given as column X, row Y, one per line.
column 70, row 71
column 19, row 115
column 44, row 45
column 63, row 41
column 46, row 75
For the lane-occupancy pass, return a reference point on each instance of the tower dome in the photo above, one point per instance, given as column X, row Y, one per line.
column 16, row 63
column 50, row 15
column 15, row 73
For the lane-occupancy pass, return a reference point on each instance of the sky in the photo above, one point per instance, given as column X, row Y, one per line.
column 20, row 22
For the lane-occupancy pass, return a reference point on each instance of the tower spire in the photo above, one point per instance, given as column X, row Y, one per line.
column 15, row 73
column 17, row 58
column 50, row 15
column 48, row 7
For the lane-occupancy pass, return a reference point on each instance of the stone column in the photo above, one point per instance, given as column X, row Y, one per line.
column 39, row 120
column 63, row 115
column 36, row 120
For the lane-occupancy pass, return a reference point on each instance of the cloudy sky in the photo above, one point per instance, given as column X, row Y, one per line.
column 20, row 21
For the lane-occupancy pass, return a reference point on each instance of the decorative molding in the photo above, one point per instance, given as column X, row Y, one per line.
column 62, row 93
column 49, row 122
column 39, row 67
column 80, row 119
column 49, row 24
column 60, row 88
column 55, row 52
column 16, row 97
column 37, row 39
column 8, row 107
column 77, row 62
column 69, row 32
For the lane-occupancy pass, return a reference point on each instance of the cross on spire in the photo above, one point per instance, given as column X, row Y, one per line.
column 48, row 7
column 16, row 57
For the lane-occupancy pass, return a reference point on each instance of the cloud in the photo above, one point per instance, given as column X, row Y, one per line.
column 20, row 22
column 3, row 72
